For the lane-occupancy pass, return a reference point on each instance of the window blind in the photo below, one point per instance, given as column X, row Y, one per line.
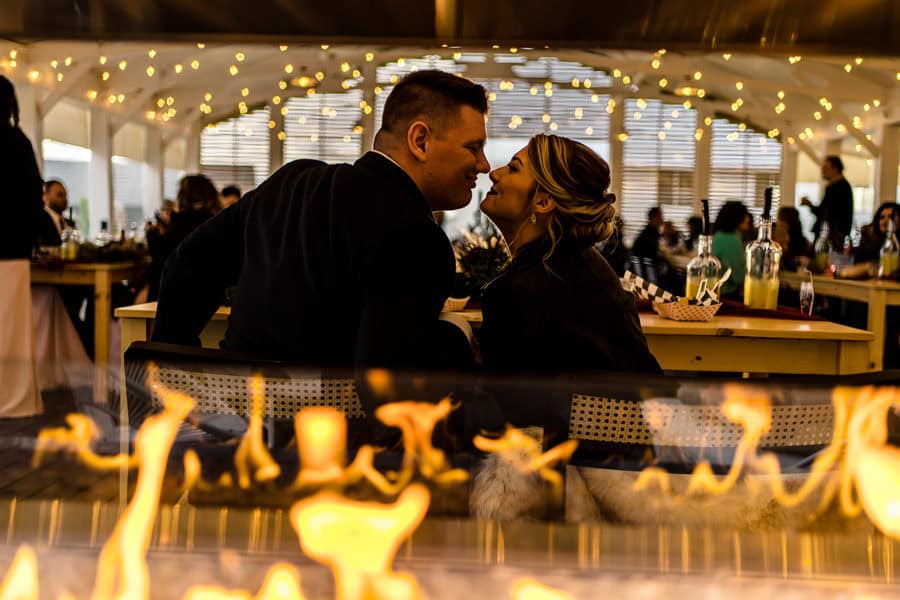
column 322, row 127
column 743, row 163
column 236, row 151
column 659, row 159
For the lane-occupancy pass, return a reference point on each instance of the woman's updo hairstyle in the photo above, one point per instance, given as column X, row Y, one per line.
column 577, row 179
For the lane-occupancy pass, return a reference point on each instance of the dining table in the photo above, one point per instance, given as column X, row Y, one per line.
column 100, row 277
column 725, row 344
column 878, row 294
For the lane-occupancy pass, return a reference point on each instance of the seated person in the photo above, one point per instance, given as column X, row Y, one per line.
column 197, row 202
column 873, row 234
column 56, row 200
column 230, row 195
column 731, row 223
column 789, row 234
column 343, row 265
column 695, row 228
column 558, row 306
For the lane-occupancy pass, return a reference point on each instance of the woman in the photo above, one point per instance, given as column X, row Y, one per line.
column 24, row 206
column 873, row 234
column 731, row 223
column 197, row 201
column 789, row 234
column 558, row 306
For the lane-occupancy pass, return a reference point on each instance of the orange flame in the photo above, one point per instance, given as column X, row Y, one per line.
column 78, row 438
column 865, row 462
column 21, row 581
column 523, row 452
column 282, row 583
column 121, row 569
column 321, row 435
column 252, row 457
column 530, row 589
column 417, row 420
column 358, row 540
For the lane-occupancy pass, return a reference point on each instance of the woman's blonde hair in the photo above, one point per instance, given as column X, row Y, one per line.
column 577, row 179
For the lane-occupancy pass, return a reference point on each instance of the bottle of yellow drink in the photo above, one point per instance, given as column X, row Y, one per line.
column 704, row 265
column 763, row 262
column 889, row 258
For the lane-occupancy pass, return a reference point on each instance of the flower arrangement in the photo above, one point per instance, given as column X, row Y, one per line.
column 480, row 256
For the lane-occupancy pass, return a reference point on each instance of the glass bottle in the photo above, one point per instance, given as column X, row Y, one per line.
column 889, row 257
column 763, row 261
column 704, row 265
column 103, row 236
column 822, row 248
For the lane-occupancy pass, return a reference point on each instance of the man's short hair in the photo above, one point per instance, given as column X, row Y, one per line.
column 434, row 94
column 654, row 212
column 231, row 190
column 48, row 185
column 835, row 162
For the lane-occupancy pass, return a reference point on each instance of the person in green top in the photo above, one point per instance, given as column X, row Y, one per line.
column 728, row 246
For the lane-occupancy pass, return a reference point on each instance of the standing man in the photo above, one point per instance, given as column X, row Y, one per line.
column 343, row 264
column 836, row 207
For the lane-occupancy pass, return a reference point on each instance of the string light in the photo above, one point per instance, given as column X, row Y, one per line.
column 283, row 48
column 91, row 95
column 33, row 75
column 282, row 85
column 150, row 115
column 233, row 70
column 589, row 131
column 68, row 61
column 195, row 64
column 866, row 107
column 858, row 60
column 245, row 92
column 626, row 79
column 320, row 75
column 726, row 56
column 780, row 94
column 54, row 63
column 208, row 96
column 739, row 85
column 102, row 61
column 276, row 99
column 622, row 137
column 848, row 67
column 370, row 56
column 150, row 71
column 876, row 103
column 345, row 66
column 123, row 65
column 357, row 73
column 288, row 69
column 663, row 82
column 179, row 68
column 170, row 101
column 698, row 75
column 817, row 116
column 324, row 46
column 794, row 60
column 161, row 102
column 151, row 53
column 59, row 77
column 284, row 111
column 587, row 83
column 120, row 98
column 201, row 46
column 707, row 121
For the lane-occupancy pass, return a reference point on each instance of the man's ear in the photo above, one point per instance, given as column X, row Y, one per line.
column 543, row 202
column 417, row 137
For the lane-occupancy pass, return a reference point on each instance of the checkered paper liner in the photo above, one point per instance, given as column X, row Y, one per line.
column 670, row 306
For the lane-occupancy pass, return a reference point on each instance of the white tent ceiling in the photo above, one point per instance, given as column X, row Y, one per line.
column 801, row 99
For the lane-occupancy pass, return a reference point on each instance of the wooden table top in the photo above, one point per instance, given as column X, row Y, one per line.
column 796, row 278
column 85, row 266
column 652, row 324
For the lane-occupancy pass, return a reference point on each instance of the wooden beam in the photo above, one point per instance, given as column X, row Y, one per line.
column 77, row 75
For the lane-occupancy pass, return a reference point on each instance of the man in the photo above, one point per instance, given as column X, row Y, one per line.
column 646, row 245
column 230, row 195
column 836, row 207
column 343, row 264
column 56, row 201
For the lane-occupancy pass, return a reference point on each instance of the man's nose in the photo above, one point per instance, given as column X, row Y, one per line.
column 483, row 166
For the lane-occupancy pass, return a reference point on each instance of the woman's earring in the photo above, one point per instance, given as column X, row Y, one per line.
column 532, row 219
